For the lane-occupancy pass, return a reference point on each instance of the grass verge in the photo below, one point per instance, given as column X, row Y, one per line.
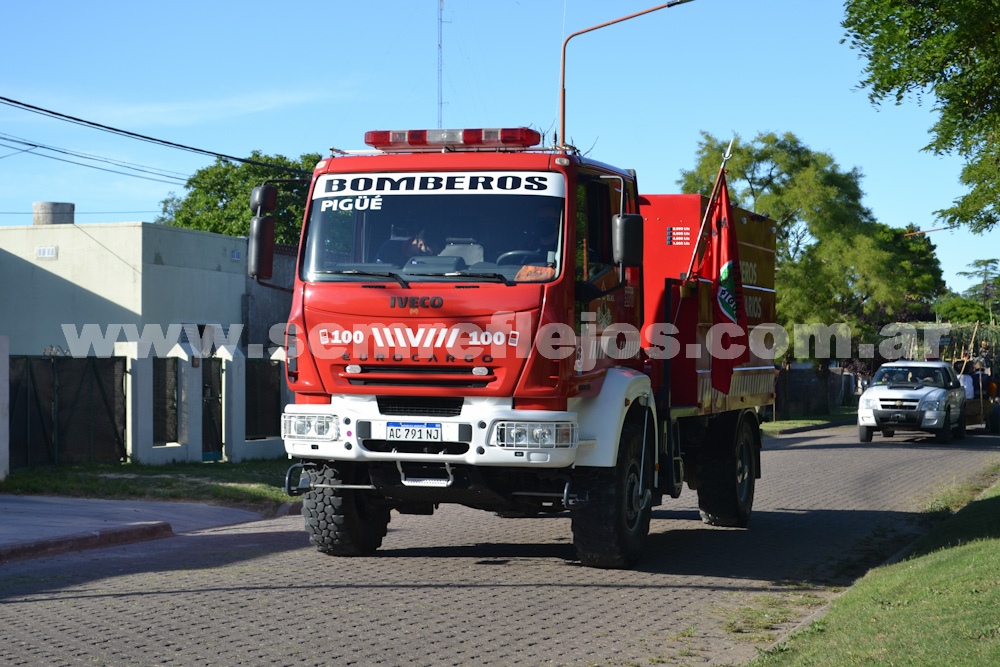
column 251, row 485
column 938, row 606
column 838, row 414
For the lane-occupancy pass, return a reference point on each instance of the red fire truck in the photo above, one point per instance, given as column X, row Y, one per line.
column 481, row 321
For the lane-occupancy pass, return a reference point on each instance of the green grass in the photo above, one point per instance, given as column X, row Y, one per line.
column 253, row 485
column 837, row 414
column 938, row 606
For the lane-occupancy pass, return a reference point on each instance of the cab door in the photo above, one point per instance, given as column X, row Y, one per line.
column 608, row 312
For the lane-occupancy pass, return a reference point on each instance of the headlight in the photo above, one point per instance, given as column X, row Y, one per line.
column 931, row 404
column 869, row 403
column 310, row 427
column 534, row 435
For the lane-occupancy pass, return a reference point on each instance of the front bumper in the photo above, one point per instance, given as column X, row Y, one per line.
column 901, row 420
column 466, row 438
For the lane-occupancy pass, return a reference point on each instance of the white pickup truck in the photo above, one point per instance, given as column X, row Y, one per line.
column 913, row 396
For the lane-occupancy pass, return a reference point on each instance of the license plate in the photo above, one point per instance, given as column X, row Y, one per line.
column 413, row 431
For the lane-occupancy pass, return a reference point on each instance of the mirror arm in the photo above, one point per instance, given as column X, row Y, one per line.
column 260, row 282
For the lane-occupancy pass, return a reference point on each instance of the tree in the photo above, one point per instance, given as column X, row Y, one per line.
column 218, row 197
column 949, row 51
column 835, row 262
column 985, row 292
column 959, row 310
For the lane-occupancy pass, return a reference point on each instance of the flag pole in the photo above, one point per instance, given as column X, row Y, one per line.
column 715, row 193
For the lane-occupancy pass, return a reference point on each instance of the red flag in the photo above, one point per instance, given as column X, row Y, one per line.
column 730, row 344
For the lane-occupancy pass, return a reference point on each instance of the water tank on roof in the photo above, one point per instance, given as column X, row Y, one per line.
column 53, row 213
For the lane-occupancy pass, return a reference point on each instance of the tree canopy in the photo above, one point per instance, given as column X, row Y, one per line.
column 957, row 309
column 949, row 51
column 218, row 197
column 835, row 262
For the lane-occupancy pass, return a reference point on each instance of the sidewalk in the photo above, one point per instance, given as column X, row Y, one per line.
column 32, row 526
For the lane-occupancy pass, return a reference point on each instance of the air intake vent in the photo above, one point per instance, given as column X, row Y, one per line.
column 423, row 406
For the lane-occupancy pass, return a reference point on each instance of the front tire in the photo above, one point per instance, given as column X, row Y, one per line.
column 959, row 431
column 728, row 476
column 943, row 436
column 610, row 530
column 865, row 433
column 345, row 522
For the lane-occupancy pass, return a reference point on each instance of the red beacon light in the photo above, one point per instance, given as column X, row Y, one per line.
column 455, row 140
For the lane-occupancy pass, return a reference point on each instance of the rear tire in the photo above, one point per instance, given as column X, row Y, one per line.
column 995, row 420
column 610, row 530
column 343, row 522
column 865, row 433
column 729, row 474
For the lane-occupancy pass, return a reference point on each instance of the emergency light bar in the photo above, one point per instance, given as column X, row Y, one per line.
column 409, row 140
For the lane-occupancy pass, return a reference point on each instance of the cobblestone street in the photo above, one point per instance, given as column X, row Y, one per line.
column 469, row 588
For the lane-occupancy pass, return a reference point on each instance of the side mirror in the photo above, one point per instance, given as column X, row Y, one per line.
column 626, row 239
column 260, row 247
column 263, row 199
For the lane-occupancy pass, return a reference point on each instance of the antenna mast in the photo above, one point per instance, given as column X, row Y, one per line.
column 440, row 57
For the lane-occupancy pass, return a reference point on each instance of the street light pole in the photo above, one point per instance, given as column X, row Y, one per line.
column 563, row 146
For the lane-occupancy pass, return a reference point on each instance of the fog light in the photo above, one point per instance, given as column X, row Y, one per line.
column 542, row 434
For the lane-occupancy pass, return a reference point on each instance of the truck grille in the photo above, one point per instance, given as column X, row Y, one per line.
column 411, row 376
column 898, row 403
column 420, row 406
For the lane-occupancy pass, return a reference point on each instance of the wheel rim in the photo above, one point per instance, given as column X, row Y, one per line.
column 633, row 497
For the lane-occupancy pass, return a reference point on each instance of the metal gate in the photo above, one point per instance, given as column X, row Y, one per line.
column 66, row 410
column 263, row 398
column 165, row 399
column 211, row 409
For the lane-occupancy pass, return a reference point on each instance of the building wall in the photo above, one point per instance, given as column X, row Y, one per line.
column 264, row 306
column 192, row 276
column 55, row 274
column 114, row 273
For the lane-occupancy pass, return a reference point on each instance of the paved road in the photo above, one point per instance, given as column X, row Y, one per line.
column 468, row 588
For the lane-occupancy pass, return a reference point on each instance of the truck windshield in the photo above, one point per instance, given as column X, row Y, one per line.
column 470, row 226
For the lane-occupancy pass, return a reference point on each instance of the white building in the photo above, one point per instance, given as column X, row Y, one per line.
column 105, row 282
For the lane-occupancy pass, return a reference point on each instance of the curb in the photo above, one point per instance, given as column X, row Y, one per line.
column 290, row 509
column 803, row 429
column 91, row 540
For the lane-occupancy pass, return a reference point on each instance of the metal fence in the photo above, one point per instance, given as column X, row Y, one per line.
column 66, row 410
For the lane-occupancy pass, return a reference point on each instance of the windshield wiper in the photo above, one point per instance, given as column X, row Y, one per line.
column 355, row 272
column 497, row 277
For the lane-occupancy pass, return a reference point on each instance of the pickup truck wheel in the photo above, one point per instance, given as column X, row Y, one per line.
column 959, row 431
column 342, row 522
column 610, row 530
column 728, row 477
column 865, row 433
column 943, row 435
column 995, row 420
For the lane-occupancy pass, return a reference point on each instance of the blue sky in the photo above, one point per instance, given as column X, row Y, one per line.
column 303, row 76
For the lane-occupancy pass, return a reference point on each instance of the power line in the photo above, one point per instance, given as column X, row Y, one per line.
column 142, row 137
column 97, row 158
column 83, row 212
column 172, row 181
